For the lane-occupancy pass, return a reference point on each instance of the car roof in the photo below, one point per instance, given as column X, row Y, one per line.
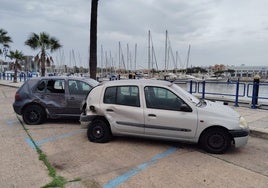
column 141, row 82
column 62, row 77
column 86, row 79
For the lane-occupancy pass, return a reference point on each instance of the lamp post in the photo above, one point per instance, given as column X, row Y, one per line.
column 5, row 51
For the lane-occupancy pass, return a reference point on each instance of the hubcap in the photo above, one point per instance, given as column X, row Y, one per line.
column 33, row 116
column 216, row 141
column 97, row 132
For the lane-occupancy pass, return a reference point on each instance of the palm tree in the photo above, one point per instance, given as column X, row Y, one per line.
column 4, row 39
column 93, row 39
column 18, row 56
column 43, row 42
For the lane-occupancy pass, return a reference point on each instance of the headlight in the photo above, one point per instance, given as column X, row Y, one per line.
column 243, row 123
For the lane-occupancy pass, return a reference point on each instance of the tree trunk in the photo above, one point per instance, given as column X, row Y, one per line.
column 43, row 63
column 93, row 39
column 15, row 71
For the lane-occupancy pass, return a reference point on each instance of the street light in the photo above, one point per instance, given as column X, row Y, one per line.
column 5, row 51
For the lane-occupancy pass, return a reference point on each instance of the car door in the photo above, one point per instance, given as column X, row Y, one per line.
column 164, row 114
column 123, row 109
column 77, row 91
column 51, row 94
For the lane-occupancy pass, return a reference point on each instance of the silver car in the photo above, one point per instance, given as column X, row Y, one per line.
column 163, row 110
column 51, row 97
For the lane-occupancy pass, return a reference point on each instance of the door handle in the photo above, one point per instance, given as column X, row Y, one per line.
column 151, row 115
column 109, row 110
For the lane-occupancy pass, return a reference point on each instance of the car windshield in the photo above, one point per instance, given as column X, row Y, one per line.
column 189, row 96
column 93, row 82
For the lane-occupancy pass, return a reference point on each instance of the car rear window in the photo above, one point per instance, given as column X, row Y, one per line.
column 122, row 95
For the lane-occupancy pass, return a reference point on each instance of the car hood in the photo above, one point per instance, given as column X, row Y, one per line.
column 215, row 108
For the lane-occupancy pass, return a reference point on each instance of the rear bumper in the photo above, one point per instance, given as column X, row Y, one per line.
column 240, row 137
column 17, row 109
column 85, row 120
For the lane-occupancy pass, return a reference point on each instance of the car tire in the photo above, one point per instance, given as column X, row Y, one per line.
column 33, row 115
column 215, row 140
column 99, row 131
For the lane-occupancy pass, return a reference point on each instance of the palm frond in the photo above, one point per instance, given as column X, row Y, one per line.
column 4, row 38
column 33, row 41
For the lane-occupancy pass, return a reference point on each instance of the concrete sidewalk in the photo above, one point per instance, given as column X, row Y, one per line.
column 257, row 118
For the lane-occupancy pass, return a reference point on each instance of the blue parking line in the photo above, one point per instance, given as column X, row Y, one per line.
column 11, row 122
column 121, row 179
column 30, row 143
column 51, row 139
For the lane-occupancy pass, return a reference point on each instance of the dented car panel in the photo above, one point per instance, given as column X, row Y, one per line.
column 52, row 97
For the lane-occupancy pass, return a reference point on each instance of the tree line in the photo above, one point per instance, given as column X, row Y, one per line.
column 42, row 42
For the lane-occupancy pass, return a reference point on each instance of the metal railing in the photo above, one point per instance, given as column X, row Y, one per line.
column 252, row 91
column 10, row 76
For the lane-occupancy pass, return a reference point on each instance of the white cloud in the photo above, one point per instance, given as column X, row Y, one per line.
column 222, row 31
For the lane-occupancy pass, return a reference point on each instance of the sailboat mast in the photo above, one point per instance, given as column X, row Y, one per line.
column 101, row 61
column 188, row 57
column 149, row 51
column 119, row 56
column 135, row 58
column 166, row 51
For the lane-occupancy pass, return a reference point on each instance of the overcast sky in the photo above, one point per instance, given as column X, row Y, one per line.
column 229, row 32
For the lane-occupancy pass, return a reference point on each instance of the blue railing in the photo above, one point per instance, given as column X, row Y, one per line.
column 10, row 76
column 252, row 91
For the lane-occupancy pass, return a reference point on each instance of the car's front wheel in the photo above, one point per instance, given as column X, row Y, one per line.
column 33, row 115
column 99, row 131
column 215, row 140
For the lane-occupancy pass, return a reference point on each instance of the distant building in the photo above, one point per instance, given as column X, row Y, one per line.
column 4, row 65
column 250, row 71
column 218, row 68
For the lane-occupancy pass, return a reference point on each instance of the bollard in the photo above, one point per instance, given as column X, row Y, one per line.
column 191, row 86
column 237, row 93
column 255, row 91
column 203, row 89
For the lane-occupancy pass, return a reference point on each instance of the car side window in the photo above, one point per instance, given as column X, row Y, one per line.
column 55, row 86
column 162, row 98
column 41, row 87
column 122, row 95
column 110, row 95
column 77, row 87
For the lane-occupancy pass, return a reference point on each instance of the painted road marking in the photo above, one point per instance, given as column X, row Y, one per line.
column 51, row 139
column 12, row 122
column 121, row 179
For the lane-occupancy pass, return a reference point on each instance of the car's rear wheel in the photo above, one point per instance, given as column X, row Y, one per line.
column 33, row 115
column 99, row 131
column 215, row 140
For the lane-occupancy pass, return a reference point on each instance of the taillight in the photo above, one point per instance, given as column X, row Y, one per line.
column 17, row 97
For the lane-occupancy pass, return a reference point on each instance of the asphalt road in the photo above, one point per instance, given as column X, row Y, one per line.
column 123, row 162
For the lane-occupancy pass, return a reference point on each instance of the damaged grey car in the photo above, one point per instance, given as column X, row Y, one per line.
column 51, row 97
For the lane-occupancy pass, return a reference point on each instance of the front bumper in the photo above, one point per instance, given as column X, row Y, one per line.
column 240, row 137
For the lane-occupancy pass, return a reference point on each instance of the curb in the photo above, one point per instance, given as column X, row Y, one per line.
column 258, row 133
column 9, row 85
